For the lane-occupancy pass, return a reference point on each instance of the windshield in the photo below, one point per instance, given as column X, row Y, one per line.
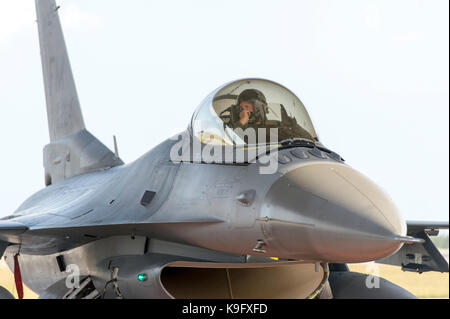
column 251, row 112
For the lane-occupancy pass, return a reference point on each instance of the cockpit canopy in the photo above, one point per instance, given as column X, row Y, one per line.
column 251, row 112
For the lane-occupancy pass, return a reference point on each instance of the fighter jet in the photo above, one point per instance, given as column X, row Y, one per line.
column 245, row 203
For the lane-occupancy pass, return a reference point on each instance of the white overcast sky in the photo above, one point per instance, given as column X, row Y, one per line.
column 374, row 76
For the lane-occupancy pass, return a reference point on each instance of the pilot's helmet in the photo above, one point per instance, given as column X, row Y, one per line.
column 259, row 103
column 252, row 96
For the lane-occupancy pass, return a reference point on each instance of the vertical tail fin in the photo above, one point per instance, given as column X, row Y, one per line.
column 72, row 150
column 63, row 107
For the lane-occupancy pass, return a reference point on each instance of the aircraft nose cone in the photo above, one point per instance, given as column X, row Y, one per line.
column 330, row 212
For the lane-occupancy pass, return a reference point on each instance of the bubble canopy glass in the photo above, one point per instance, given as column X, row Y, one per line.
column 250, row 112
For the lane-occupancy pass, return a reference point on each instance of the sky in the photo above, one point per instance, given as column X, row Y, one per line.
column 373, row 75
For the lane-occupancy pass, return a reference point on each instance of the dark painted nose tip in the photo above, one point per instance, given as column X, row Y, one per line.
column 330, row 212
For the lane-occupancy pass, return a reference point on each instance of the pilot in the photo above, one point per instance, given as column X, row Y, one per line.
column 251, row 107
column 251, row 112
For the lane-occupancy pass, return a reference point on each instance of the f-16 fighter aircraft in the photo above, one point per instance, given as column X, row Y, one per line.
column 246, row 203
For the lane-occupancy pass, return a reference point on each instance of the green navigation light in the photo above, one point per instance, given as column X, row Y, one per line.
column 142, row 277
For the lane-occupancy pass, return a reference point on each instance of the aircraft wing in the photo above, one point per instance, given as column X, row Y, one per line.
column 418, row 225
column 420, row 257
column 8, row 231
